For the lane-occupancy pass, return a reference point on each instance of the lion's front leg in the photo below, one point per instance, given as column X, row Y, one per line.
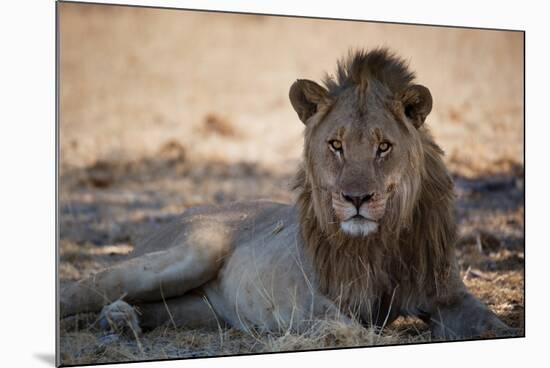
column 147, row 278
column 464, row 316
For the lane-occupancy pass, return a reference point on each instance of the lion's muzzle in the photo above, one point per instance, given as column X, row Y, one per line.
column 358, row 213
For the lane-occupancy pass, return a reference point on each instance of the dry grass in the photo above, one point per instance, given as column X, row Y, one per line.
column 85, row 346
column 160, row 113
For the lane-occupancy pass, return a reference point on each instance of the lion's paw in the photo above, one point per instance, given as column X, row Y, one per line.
column 121, row 318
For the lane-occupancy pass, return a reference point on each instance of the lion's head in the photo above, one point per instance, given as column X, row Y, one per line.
column 362, row 146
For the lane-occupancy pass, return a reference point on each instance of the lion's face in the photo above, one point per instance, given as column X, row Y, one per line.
column 360, row 150
column 358, row 156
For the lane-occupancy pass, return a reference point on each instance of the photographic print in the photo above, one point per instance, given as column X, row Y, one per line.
column 236, row 183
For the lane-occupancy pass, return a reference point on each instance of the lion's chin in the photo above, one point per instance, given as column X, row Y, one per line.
column 359, row 227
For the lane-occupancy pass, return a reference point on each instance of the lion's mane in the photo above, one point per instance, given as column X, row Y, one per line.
column 412, row 254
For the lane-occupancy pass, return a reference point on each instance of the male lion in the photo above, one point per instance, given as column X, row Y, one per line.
column 371, row 236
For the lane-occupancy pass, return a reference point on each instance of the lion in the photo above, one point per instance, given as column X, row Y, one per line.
column 371, row 236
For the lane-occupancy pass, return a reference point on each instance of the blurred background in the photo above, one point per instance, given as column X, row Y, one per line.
column 161, row 110
column 133, row 78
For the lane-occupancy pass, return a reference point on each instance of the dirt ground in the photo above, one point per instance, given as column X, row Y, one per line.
column 161, row 110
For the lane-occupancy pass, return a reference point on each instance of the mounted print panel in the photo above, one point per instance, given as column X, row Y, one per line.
column 242, row 184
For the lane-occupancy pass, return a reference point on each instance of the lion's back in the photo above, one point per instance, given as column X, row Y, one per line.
column 238, row 221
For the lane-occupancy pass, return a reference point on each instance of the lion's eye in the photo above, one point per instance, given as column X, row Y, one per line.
column 384, row 148
column 335, row 145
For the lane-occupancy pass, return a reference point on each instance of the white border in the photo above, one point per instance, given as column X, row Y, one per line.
column 27, row 167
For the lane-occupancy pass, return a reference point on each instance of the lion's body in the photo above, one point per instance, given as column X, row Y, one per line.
column 263, row 280
column 267, row 282
column 371, row 235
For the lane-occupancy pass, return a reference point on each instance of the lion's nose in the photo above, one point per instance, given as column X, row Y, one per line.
column 357, row 200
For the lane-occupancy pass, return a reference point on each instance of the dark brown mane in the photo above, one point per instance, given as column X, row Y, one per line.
column 361, row 66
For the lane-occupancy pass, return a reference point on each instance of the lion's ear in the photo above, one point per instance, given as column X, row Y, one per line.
column 417, row 102
column 305, row 96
